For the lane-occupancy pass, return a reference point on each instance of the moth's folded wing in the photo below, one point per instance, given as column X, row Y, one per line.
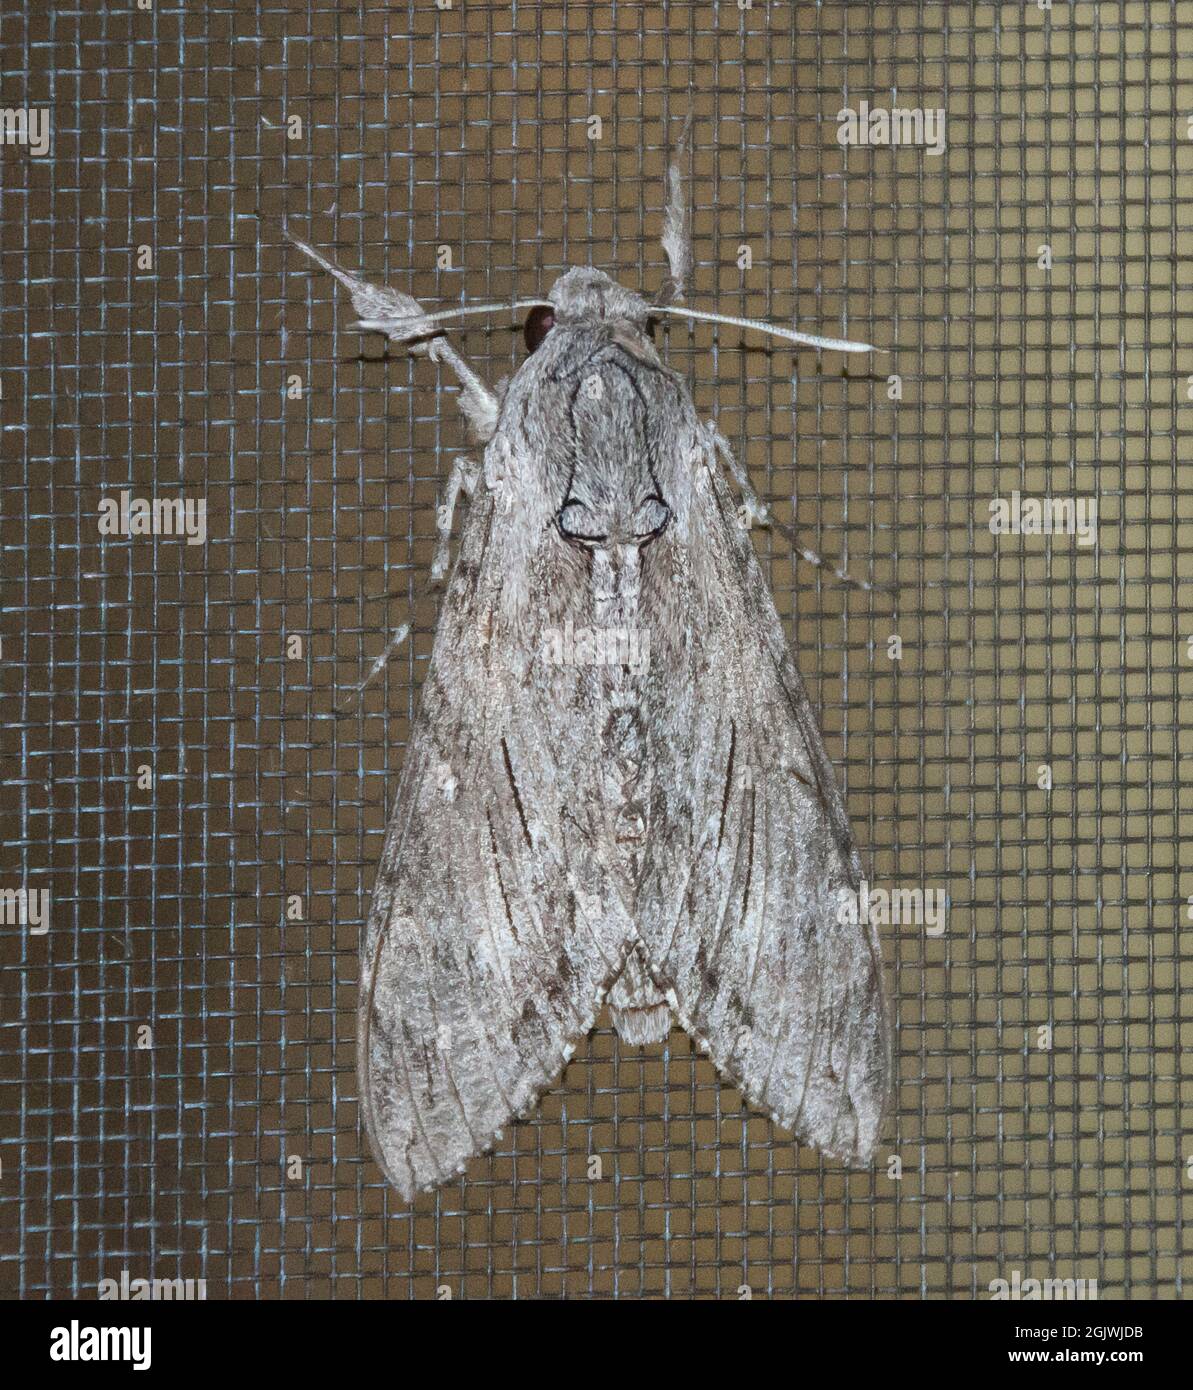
column 494, row 932
column 750, row 857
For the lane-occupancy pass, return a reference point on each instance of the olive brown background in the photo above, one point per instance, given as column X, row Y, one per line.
column 1040, row 1122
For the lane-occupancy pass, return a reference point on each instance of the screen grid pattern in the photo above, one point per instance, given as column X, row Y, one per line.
column 190, row 773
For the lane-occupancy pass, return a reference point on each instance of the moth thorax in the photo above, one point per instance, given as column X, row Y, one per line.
column 616, row 583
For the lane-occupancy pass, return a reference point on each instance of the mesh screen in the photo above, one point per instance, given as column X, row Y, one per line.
column 205, row 801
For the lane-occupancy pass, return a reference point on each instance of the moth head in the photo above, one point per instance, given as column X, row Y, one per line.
column 583, row 296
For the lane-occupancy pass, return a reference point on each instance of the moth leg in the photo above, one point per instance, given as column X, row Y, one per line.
column 462, row 478
column 400, row 318
column 357, row 691
column 754, row 511
column 478, row 405
column 677, row 224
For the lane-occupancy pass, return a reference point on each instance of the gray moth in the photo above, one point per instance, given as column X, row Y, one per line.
column 615, row 789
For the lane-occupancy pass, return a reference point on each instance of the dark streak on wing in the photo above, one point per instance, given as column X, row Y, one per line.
column 509, row 772
column 745, row 902
column 728, row 780
column 509, row 916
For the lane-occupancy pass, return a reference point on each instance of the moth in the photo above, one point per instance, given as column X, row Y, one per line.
column 615, row 789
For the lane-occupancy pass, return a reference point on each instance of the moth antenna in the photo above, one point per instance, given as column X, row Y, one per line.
column 392, row 327
column 789, row 335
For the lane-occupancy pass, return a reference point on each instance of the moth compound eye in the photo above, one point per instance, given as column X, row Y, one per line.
column 577, row 523
column 651, row 518
column 539, row 322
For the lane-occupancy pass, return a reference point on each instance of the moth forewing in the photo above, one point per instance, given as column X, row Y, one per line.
column 738, row 909
column 494, row 931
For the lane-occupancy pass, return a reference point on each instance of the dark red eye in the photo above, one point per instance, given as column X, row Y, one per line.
column 539, row 322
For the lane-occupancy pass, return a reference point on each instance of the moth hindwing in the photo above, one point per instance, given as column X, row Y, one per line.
column 615, row 787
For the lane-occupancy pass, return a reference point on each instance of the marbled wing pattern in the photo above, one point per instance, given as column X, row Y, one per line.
column 749, row 851
column 494, row 931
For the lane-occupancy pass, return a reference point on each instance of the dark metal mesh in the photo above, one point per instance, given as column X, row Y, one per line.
column 468, row 128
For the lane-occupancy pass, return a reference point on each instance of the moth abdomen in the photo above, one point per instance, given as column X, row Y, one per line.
column 638, row 1008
